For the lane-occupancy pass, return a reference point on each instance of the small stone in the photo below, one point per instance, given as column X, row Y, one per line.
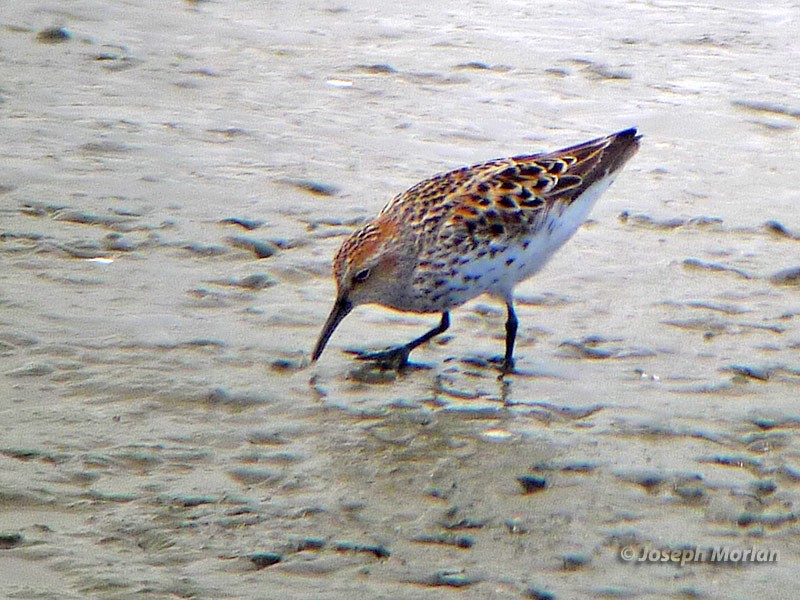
column 10, row 540
column 538, row 594
column 261, row 248
column 531, row 483
column 257, row 281
column 516, row 526
column 650, row 481
column 459, row 541
column 53, row 35
column 207, row 251
column 573, row 562
column 457, row 579
column 378, row 69
column 263, row 560
column 765, row 487
column 689, row 492
column 254, row 476
column 463, row 524
column 310, row 544
column 378, row 551
column 192, row 501
column 582, row 349
column 286, row 365
column 779, row 229
column 32, row 370
column 314, row 187
column 749, row 372
column 693, row 263
column 790, row 276
column 478, row 66
column 115, row 242
column 248, row 224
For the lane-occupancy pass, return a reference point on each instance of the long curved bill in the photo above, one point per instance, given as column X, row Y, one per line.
column 340, row 310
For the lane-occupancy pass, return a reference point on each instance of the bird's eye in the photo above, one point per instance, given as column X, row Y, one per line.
column 361, row 276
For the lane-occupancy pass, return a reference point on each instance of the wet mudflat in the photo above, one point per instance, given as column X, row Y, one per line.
column 173, row 187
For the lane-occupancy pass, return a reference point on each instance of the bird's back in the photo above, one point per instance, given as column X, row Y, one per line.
column 486, row 227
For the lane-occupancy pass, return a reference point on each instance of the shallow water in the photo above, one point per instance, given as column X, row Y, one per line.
column 173, row 187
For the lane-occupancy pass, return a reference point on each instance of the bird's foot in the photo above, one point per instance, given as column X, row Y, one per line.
column 392, row 358
column 504, row 364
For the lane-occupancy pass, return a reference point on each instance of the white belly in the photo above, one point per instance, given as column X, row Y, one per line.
column 516, row 261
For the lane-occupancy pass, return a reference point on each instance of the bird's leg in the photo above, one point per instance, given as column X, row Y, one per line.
column 511, row 336
column 398, row 357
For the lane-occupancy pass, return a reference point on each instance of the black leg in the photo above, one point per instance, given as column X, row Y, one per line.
column 397, row 358
column 440, row 328
column 511, row 336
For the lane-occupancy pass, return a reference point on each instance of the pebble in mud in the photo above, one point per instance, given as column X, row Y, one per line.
column 516, row 526
column 34, row 369
column 85, row 218
column 204, row 250
column 531, row 483
column 287, row 365
column 82, row 249
column 465, row 523
column 538, row 594
column 771, row 521
column 261, row 248
column 574, row 562
column 790, row 276
column 117, row 60
column 262, row 560
column 309, row 544
column 765, row 487
column 456, row 579
column 695, row 264
column 311, row 186
column 566, row 467
column 254, row 476
column 767, row 107
column 10, row 540
column 596, row 70
column 375, row 550
column 316, row 223
column 115, row 242
column 377, row 69
column 651, row 481
column 648, row 222
column 474, row 65
column 248, row 224
column 750, row 372
column 690, row 490
column 256, row 281
column 53, row 35
column 458, row 541
column 582, row 349
column 779, row 229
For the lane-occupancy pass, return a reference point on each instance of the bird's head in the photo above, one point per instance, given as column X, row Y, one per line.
column 369, row 269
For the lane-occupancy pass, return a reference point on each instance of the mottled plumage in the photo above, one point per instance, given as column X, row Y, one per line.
column 479, row 229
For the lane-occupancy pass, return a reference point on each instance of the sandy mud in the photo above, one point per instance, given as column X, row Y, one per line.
column 174, row 180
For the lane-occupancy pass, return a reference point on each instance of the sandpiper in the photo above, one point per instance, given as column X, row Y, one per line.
column 475, row 230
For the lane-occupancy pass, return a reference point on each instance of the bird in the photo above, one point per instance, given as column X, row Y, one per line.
column 476, row 230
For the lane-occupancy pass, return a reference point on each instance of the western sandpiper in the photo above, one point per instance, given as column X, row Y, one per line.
column 479, row 229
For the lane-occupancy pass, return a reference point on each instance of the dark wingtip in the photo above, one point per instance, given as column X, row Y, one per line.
column 630, row 133
column 619, row 148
